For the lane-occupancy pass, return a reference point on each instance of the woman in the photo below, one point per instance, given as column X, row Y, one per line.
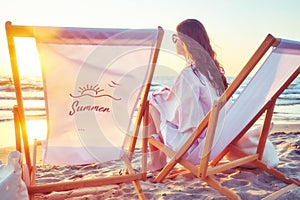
column 176, row 112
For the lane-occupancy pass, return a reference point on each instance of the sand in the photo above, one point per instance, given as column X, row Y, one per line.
column 248, row 183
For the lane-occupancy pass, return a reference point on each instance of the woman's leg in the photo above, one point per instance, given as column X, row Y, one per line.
column 158, row 158
column 154, row 125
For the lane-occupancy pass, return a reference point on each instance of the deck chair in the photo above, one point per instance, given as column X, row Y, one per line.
column 227, row 124
column 96, row 82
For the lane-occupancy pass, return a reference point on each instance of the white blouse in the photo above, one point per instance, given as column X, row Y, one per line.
column 182, row 108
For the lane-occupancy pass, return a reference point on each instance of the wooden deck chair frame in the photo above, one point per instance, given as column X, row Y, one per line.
column 207, row 168
column 21, row 131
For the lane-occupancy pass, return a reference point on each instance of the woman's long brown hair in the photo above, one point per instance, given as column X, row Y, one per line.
column 197, row 43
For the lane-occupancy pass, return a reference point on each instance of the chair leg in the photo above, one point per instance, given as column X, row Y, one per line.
column 33, row 168
column 31, row 197
column 17, row 129
column 265, row 130
column 280, row 192
column 281, row 176
column 223, row 190
column 140, row 193
column 135, row 183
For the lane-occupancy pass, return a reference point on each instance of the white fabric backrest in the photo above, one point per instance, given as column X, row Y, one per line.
column 283, row 61
column 92, row 80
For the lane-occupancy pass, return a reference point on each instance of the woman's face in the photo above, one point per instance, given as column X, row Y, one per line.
column 179, row 45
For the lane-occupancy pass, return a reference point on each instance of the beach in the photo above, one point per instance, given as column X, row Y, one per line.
column 248, row 183
column 81, row 54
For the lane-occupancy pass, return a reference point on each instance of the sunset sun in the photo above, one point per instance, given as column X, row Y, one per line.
column 27, row 56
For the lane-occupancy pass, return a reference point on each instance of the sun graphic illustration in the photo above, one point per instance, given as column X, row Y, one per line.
column 95, row 91
column 90, row 90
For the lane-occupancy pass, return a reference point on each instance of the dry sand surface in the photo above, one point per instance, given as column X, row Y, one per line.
column 248, row 183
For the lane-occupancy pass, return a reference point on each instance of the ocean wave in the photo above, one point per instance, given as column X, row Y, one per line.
column 32, row 90
column 24, row 98
column 28, row 117
column 11, row 88
column 25, row 109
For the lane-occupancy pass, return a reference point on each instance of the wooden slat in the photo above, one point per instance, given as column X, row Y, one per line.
column 223, row 190
column 177, row 156
column 135, row 183
column 265, row 131
column 232, row 164
column 63, row 186
column 34, row 155
column 280, row 192
column 17, row 84
column 281, row 176
column 258, row 54
column 145, row 140
column 209, row 138
column 17, row 129
column 145, row 91
column 219, row 157
column 192, row 168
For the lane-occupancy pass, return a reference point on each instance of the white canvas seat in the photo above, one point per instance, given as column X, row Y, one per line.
column 96, row 96
column 228, row 121
column 96, row 83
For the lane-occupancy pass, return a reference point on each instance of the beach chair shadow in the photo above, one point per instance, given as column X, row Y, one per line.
column 96, row 83
column 228, row 122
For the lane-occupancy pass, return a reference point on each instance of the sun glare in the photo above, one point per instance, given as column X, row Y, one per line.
column 27, row 57
column 36, row 129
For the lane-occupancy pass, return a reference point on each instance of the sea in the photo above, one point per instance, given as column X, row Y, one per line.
column 287, row 109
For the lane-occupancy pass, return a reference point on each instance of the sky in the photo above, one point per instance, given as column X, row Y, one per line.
column 235, row 27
